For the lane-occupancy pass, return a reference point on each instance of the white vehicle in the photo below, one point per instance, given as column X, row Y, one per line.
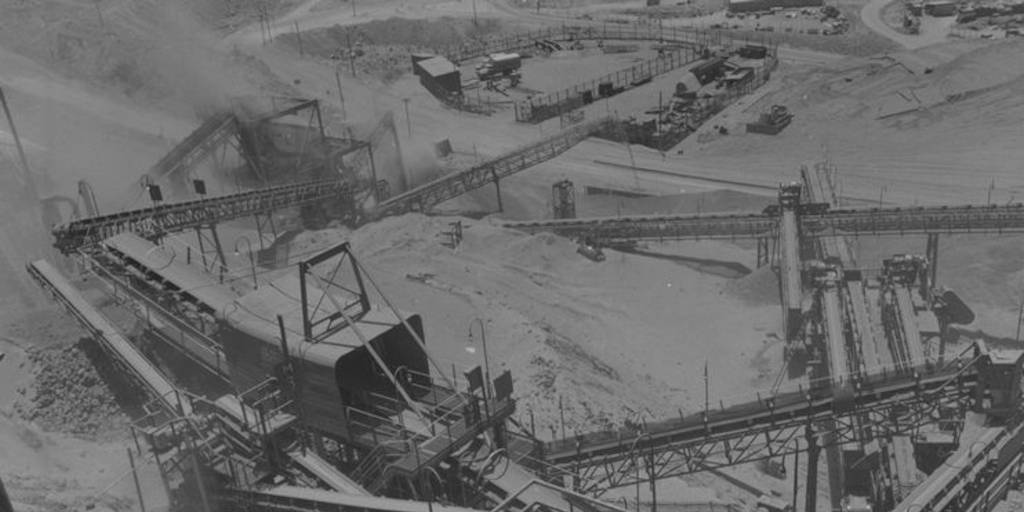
column 855, row 504
column 768, row 503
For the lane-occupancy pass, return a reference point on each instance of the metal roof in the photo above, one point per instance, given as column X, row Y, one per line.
column 438, row 66
column 172, row 268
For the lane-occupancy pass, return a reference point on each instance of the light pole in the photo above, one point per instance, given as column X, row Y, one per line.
column 252, row 264
column 487, row 364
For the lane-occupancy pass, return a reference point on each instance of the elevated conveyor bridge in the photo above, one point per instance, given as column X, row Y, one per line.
column 771, row 426
column 946, row 220
column 158, row 220
column 453, row 185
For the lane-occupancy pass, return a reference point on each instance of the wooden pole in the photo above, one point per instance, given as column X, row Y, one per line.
column 341, row 96
column 348, row 38
column 298, row 36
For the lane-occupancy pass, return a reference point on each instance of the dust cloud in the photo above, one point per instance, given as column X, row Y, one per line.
column 421, row 164
column 186, row 64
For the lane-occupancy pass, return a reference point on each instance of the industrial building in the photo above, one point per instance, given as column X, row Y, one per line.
column 328, row 396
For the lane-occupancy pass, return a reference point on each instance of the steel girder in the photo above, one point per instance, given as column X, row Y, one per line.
column 438, row 191
column 167, row 218
column 760, row 430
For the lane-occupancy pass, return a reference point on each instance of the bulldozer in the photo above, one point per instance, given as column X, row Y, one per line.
column 771, row 122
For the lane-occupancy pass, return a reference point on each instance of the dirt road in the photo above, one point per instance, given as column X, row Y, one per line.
column 931, row 33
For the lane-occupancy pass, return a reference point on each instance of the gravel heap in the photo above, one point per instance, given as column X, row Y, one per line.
column 68, row 395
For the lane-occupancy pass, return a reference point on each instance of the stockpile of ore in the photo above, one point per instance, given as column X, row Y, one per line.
column 68, row 394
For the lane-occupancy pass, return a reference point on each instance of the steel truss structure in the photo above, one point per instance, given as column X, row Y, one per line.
column 454, row 185
column 832, row 223
column 216, row 132
column 156, row 221
column 768, row 428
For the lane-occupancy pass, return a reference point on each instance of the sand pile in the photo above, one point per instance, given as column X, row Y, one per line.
column 595, row 343
column 759, row 288
column 68, row 395
column 984, row 68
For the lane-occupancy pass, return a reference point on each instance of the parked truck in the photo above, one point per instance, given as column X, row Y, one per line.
column 499, row 65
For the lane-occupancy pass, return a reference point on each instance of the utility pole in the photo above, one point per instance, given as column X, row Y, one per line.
column 99, row 13
column 353, row 8
column 337, row 78
column 408, row 121
column 475, row 22
column 30, row 183
column 298, row 36
column 351, row 56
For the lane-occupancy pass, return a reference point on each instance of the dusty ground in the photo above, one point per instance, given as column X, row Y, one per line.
column 103, row 96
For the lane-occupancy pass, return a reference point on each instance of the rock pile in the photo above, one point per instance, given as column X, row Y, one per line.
column 68, row 395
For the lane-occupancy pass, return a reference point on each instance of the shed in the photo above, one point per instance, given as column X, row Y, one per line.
column 442, row 72
column 417, row 58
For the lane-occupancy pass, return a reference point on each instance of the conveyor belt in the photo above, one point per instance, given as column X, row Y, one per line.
column 839, row 362
column 792, row 285
column 187, row 280
column 871, row 348
column 298, row 498
column 959, row 470
column 790, row 408
column 108, row 336
column 453, row 185
column 908, row 323
column 196, row 146
column 875, row 221
column 326, row 472
column 167, row 218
